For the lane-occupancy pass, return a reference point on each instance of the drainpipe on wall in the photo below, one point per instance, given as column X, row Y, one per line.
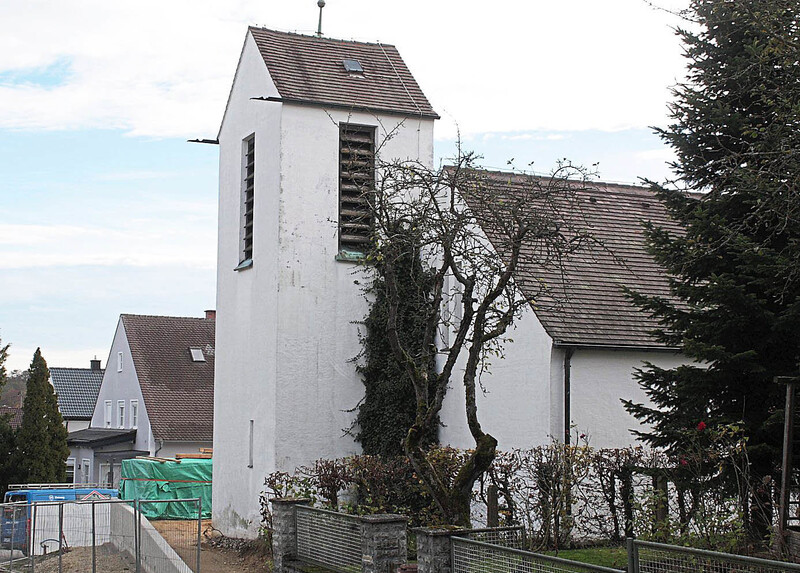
column 160, row 445
column 567, row 415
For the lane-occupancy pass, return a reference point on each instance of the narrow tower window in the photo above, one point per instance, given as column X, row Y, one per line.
column 356, row 183
column 248, row 195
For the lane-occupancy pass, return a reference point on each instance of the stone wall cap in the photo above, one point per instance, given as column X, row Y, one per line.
column 291, row 500
column 384, row 518
column 440, row 530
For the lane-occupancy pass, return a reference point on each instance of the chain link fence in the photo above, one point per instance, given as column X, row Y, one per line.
column 478, row 557
column 647, row 557
column 107, row 535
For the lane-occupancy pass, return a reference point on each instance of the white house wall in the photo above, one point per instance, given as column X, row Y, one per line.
column 122, row 386
column 317, row 295
column 247, row 310
column 599, row 379
column 516, row 407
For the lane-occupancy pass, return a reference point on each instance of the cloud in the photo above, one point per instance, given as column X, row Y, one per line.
column 164, row 69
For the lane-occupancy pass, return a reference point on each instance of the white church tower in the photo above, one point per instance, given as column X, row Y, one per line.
column 297, row 142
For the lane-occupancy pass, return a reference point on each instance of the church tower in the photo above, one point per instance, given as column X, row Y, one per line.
column 305, row 117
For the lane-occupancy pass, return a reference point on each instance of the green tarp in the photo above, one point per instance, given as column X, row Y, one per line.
column 153, row 480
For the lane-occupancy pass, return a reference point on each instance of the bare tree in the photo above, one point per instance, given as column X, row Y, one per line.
column 483, row 236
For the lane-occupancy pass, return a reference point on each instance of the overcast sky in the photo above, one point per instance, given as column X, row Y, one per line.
column 105, row 209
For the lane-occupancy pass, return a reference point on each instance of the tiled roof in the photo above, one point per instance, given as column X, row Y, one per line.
column 309, row 69
column 178, row 392
column 16, row 415
column 584, row 302
column 77, row 390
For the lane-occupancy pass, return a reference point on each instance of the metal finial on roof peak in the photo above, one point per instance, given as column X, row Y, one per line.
column 321, row 4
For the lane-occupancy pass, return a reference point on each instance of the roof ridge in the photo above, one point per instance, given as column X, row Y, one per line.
column 320, row 38
column 200, row 318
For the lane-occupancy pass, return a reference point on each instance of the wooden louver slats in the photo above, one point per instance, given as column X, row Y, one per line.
column 248, row 197
column 356, row 182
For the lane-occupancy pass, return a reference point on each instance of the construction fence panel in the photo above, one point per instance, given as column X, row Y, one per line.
column 170, row 545
column 648, row 557
column 470, row 556
column 14, row 537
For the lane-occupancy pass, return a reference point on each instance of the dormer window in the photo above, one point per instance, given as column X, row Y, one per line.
column 197, row 355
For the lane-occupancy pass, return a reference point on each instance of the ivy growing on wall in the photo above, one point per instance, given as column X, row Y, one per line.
column 387, row 410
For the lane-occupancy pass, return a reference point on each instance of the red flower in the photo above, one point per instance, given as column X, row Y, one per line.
column 701, row 426
column 684, row 462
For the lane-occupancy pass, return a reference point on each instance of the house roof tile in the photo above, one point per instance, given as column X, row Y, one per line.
column 15, row 415
column 178, row 392
column 310, row 69
column 77, row 390
column 584, row 303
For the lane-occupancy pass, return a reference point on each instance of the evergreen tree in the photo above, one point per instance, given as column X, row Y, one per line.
column 42, row 450
column 389, row 405
column 736, row 270
column 6, row 433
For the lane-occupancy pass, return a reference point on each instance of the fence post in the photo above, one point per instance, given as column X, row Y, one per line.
column 14, row 516
column 633, row 555
column 137, row 533
column 94, row 540
column 32, row 547
column 383, row 542
column 60, row 535
column 284, row 531
column 199, row 530
column 434, row 554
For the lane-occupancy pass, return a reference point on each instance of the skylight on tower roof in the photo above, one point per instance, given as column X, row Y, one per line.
column 197, row 355
column 353, row 67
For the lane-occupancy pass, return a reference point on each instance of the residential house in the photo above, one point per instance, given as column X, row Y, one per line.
column 156, row 396
column 305, row 117
column 14, row 415
column 76, row 390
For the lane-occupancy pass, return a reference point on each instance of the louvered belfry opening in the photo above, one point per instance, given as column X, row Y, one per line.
column 356, row 183
column 248, row 193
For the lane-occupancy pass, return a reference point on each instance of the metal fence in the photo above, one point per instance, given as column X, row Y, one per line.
column 109, row 535
column 329, row 539
column 477, row 557
column 648, row 557
column 513, row 537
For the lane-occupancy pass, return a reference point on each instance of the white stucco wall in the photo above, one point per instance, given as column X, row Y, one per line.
column 245, row 358
column 599, row 380
column 516, row 407
column 285, row 333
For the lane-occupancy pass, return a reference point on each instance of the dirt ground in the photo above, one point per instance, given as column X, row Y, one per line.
column 212, row 560
column 79, row 560
column 214, row 557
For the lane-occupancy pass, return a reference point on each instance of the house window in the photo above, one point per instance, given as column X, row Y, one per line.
column 356, row 182
column 86, row 471
column 197, row 355
column 134, row 413
column 248, row 197
column 121, row 413
column 70, row 470
column 119, row 361
column 107, row 418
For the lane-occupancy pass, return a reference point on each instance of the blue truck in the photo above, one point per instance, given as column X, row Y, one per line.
column 15, row 518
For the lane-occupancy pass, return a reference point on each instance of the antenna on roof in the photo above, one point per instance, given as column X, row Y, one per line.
column 321, row 4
